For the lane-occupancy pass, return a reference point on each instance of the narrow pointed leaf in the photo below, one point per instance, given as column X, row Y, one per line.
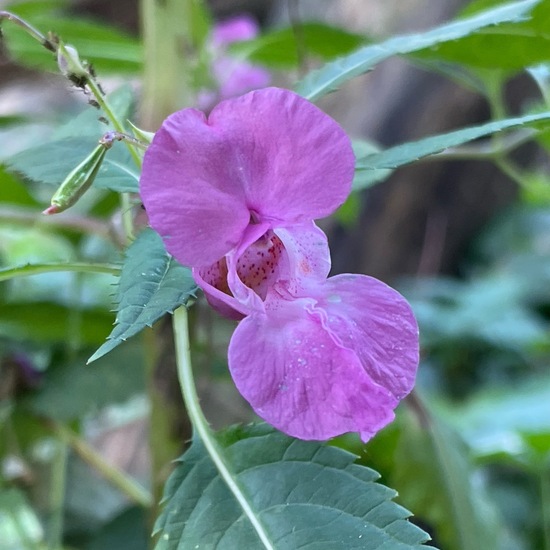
column 151, row 284
column 369, row 166
column 305, row 494
column 332, row 75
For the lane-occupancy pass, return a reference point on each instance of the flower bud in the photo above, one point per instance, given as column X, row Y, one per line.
column 77, row 182
column 69, row 63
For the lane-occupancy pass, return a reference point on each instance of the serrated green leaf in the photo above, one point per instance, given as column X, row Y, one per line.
column 509, row 47
column 51, row 162
column 151, row 284
column 305, row 494
column 333, row 74
column 409, row 152
column 278, row 48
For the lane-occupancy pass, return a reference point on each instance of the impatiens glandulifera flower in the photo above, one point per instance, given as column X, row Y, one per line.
column 234, row 196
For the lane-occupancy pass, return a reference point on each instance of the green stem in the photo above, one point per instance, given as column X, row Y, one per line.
column 101, row 99
column 110, row 114
column 66, row 220
column 200, row 424
column 485, row 151
column 170, row 50
column 512, row 171
column 127, row 218
column 36, row 269
column 35, row 33
column 57, row 496
column 131, row 488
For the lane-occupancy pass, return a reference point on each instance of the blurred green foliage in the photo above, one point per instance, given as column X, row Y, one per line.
column 469, row 454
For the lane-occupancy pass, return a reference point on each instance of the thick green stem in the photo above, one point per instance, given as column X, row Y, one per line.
column 200, row 424
column 169, row 51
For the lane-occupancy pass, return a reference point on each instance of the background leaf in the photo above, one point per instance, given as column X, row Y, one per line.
column 506, row 47
column 70, row 391
column 328, row 78
column 302, row 492
column 151, row 284
column 46, row 322
column 436, row 478
column 278, row 48
column 51, row 162
column 19, row 525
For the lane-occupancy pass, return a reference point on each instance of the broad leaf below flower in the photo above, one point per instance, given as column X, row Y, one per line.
column 304, row 494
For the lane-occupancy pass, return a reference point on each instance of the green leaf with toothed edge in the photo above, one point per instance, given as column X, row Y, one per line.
column 332, row 75
column 306, row 495
column 409, row 152
column 151, row 284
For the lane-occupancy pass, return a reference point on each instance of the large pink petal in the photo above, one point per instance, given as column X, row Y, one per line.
column 191, row 190
column 270, row 154
column 295, row 162
column 300, row 380
column 376, row 322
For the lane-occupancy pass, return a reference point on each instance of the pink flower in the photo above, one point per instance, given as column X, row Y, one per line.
column 232, row 75
column 234, row 196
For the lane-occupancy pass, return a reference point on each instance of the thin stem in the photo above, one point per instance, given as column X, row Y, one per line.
column 66, row 220
column 200, row 424
column 131, row 488
column 127, row 218
column 511, row 170
column 485, row 151
column 35, row 33
column 57, row 496
column 104, row 104
column 36, row 269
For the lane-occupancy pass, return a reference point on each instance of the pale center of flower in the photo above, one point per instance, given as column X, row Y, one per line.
column 258, row 268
